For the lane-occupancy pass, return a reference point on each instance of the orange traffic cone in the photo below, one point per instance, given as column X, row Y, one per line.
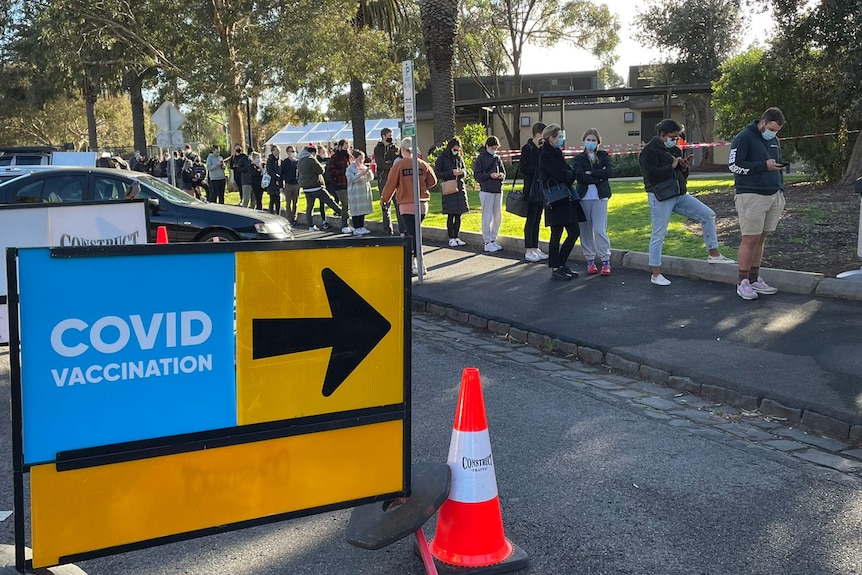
column 470, row 535
column 162, row 235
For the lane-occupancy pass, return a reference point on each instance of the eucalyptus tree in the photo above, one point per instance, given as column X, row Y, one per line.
column 506, row 27
column 694, row 38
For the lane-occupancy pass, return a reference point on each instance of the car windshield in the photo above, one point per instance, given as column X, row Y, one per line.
column 167, row 191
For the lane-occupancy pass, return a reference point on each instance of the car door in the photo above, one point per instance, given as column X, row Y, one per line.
column 162, row 213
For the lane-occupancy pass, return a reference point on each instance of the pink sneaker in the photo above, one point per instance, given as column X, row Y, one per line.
column 606, row 269
column 592, row 269
column 745, row 291
column 761, row 286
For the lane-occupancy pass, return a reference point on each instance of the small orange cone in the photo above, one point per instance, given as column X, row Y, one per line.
column 162, row 235
column 469, row 536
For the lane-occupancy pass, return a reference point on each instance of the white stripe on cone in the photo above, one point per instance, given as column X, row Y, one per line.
column 472, row 465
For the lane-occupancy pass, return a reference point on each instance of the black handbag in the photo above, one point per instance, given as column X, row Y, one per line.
column 517, row 202
column 666, row 190
column 555, row 191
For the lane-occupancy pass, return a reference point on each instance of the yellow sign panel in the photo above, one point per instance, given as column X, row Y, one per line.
column 95, row 508
column 319, row 331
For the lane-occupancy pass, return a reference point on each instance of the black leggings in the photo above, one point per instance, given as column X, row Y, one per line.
column 409, row 228
column 358, row 221
column 453, row 225
column 531, row 226
column 559, row 254
column 325, row 200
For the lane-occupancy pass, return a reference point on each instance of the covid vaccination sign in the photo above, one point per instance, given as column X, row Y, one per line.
column 163, row 392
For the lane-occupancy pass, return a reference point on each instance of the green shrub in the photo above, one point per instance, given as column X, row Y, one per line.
column 626, row 165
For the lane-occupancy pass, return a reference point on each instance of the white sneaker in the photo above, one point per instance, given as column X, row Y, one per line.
column 761, row 286
column 540, row 253
column 719, row 259
column 659, row 280
column 532, row 256
column 361, row 231
column 453, row 243
column 460, row 242
column 346, row 230
column 492, row 247
column 314, row 229
column 745, row 291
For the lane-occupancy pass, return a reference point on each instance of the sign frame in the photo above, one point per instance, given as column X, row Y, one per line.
column 200, row 442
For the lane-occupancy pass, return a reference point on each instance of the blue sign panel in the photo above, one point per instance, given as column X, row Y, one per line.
column 146, row 349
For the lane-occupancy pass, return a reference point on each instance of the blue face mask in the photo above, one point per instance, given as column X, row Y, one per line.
column 670, row 143
column 590, row 145
column 768, row 135
column 561, row 142
column 490, row 151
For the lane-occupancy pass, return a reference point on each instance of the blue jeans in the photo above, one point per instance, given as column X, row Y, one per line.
column 684, row 205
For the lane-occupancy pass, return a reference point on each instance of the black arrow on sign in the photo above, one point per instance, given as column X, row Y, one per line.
column 354, row 329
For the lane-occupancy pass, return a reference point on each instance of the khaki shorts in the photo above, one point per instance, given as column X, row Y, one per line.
column 759, row 213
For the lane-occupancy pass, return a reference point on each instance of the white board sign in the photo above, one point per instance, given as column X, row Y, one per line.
column 66, row 225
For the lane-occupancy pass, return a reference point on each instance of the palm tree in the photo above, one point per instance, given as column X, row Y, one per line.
column 439, row 29
column 383, row 15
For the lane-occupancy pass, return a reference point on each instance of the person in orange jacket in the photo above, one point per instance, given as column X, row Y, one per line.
column 400, row 185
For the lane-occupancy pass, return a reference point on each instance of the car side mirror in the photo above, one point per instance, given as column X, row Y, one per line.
column 154, row 202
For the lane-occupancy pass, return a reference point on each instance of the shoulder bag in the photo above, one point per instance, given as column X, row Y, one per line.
column 555, row 191
column 517, row 202
column 449, row 187
column 666, row 190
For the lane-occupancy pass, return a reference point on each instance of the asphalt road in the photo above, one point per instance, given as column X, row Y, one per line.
column 589, row 484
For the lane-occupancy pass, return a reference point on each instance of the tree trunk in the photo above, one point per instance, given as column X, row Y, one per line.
column 357, row 113
column 439, row 26
column 854, row 166
column 236, row 113
column 136, row 98
column 90, row 97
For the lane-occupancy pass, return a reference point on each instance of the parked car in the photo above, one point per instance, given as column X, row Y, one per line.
column 186, row 218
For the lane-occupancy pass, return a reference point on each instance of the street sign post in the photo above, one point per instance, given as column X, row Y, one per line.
column 410, row 124
column 169, row 118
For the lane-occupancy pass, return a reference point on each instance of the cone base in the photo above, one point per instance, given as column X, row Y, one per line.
column 517, row 560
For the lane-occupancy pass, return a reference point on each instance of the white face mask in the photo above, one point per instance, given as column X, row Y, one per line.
column 292, row 155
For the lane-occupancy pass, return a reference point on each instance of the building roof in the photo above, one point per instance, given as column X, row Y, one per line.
column 330, row 132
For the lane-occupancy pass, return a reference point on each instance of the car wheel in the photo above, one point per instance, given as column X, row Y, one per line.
column 219, row 236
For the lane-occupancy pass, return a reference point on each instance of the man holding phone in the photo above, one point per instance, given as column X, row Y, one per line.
column 755, row 160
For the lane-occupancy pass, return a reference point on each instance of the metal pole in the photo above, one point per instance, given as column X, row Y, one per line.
column 418, row 206
column 248, row 121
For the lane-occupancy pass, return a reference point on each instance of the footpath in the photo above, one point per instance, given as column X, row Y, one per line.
column 795, row 355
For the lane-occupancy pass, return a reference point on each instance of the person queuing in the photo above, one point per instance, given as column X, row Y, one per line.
column 563, row 214
column 273, row 188
column 240, row 169
column 310, row 178
column 489, row 172
column 291, row 185
column 385, row 154
column 359, row 199
column 216, row 174
column 337, row 169
column 450, row 170
column 593, row 169
column 400, row 182
column 529, row 167
column 256, row 176
column 665, row 176
column 755, row 160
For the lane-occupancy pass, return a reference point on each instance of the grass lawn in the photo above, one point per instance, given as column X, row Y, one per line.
column 628, row 217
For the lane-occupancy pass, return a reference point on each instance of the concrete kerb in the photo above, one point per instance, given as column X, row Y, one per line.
column 550, row 344
column 7, row 564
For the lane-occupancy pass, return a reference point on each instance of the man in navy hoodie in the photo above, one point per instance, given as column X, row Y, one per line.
column 755, row 160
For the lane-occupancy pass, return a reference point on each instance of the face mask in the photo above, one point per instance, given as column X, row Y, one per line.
column 670, row 143
column 560, row 143
column 590, row 145
column 388, row 140
column 768, row 135
column 492, row 152
column 292, row 155
column 456, row 152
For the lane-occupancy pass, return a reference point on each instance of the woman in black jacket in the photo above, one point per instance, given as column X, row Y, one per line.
column 662, row 161
column 489, row 172
column 562, row 214
column 529, row 167
column 449, row 167
column 273, row 169
column 592, row 170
